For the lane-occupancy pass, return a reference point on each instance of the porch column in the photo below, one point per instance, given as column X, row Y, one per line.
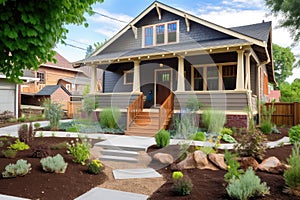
column 248, row 75
column 136, row 77
column 240, row 77
column 180, row 81
column 93, row 85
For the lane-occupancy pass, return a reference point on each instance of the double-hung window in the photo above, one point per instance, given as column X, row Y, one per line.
column 160, row 34
column 149, row 36
column 172, row 32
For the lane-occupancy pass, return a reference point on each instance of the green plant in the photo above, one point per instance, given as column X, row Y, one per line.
column 228, row 138
column 266, row 127
column 9, row 153
column 266, row 124
column 192, row 103
column 177, row 175
column 233, row 130
column 88, row 103
column 162, row 138
column 227, row 131
column 246, row 186
column 95, row 166
column 62, row 145
column 79, row 150
column 232, row 166
column 41, row 151
column 41, row 135
column 21, row 168
column 19, row 146
column 53, row 112
column 36, row 125
column 73, row 129
column 54, row 164
column 22, row 119
column 182, row 186
column 109, row 117
column 185, row 125
column 1, row 144
column 213, row 120
column 294, row 134
column 200, row 136
column 23, row 133
column 292, row 174
column 207, row 150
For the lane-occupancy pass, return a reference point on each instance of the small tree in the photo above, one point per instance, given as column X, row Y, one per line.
column 53, row 113
column 88, row 103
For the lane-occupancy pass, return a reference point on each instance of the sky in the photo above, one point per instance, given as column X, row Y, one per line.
column 227, row 13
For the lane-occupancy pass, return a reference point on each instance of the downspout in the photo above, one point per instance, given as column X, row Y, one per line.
column 17, row 101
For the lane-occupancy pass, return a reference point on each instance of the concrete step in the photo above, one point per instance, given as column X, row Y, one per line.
column 118, row 158
column 113, row 152
column 121, row 148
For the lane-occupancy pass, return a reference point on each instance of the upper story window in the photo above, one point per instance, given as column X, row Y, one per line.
column 160, row 34
column 41, row 76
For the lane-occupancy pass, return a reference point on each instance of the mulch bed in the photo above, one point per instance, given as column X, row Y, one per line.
column 41, row 185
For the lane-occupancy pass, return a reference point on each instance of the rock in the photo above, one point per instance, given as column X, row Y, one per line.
column 246, row 162
column 202, row 162
column 95, row 152
column 272, row 165
column 164, row 158
column 218, row 160
column 187, row 163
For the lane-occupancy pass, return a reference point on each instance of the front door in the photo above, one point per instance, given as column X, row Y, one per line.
column 163, row 85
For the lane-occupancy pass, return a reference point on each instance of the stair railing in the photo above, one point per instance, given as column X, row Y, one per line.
column 165, row 110
column 134, row 109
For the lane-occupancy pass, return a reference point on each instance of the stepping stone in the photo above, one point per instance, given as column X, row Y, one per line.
column 135, row 173
column 102, row 193
column 118, row 158
column 6, row 197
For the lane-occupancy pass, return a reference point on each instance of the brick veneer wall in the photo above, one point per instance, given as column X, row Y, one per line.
column 61, row 97
column 238, row 121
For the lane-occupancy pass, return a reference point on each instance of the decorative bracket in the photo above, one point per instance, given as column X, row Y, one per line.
column 158, row 11
column 134, row 30
column 187, row 22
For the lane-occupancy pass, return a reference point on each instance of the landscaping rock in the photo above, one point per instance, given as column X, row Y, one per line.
column 188, row 162
column 272, row 165
column 164, row 158
column 246, row 162
column 202, row 162
column 218, row 160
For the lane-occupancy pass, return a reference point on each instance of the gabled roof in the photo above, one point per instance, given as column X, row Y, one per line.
column 159, row 5
column 77, row 80
column 50, row 89
column 259, row 31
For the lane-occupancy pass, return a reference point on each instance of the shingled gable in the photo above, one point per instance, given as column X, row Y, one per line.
column 50, row 89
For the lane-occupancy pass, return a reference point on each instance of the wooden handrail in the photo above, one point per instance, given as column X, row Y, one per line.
column 134, row 109
column 165, row 110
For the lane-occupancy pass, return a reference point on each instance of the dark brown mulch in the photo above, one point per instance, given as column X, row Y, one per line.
column 211, row 185
column 41, row 185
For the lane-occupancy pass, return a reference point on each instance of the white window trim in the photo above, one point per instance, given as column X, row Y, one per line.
column 165, row 34
column 125, row 75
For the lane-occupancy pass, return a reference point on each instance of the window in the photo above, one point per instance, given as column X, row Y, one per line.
column 41, row 76
column 160, row 34
column 128, row 77
column 198, row 78
column 68, row 87
column 212, row 78
column 229, row 77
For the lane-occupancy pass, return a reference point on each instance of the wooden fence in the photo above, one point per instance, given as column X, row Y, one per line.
column 285, row 113
column 74, row 108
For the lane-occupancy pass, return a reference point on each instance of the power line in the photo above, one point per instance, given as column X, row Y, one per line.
column 112, row 18
column 71, row 45
column 77, row 42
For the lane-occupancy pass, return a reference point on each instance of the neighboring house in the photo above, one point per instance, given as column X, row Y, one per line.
column 56, row 93
column 274, row 96
column 168, row 55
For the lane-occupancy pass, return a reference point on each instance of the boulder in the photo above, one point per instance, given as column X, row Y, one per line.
column 164, row 158
column 218, row 160
column 202, row 162
column 187, row 163
column 246, row 162
column 272, row 165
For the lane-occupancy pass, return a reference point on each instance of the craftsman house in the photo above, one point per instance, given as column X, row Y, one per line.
column 165, row 55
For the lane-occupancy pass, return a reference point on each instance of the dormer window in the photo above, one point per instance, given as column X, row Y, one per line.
column 161, row 34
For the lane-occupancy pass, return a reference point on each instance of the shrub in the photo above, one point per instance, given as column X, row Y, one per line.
column 294, row 134
column 228, row 138
column 73, row 129
column 185, row 125
column 227, row 131
column 62, row 145
column 37, row 125
column 23, row 133
column 292, row 174
column 54, row 164
column 88, row 103
column 162, row 138
column 232, row 166
column 53, row 113
column 266, row 127
column 19, row 169
column 9, row 153
column 266, row 124
column 248, row 185
column 213, row 120
column 109, row 117
column 18, row 145
column 193, row 103
column 233, row 130
column 41, row 151
column 182, row 186
column 176, row 175
column 200, row 136
column 79, row 150
column 95, row 166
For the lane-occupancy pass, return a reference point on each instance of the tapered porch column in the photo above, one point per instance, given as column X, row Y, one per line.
column 180, row 81
column 240, row 77
column 248, row 75
column 93, row 85
column 136, row 77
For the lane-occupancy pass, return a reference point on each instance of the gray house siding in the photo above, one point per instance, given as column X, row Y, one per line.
column 121, row 101
column 197, row 32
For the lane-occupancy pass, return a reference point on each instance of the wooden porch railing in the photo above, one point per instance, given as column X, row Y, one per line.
column 134, row 109
column 165, row 110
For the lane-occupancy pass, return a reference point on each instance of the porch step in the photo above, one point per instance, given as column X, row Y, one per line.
column 118, row 158
column 145, row 133
column 120, row 153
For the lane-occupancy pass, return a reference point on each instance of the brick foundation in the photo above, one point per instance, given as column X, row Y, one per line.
column 238, row 121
